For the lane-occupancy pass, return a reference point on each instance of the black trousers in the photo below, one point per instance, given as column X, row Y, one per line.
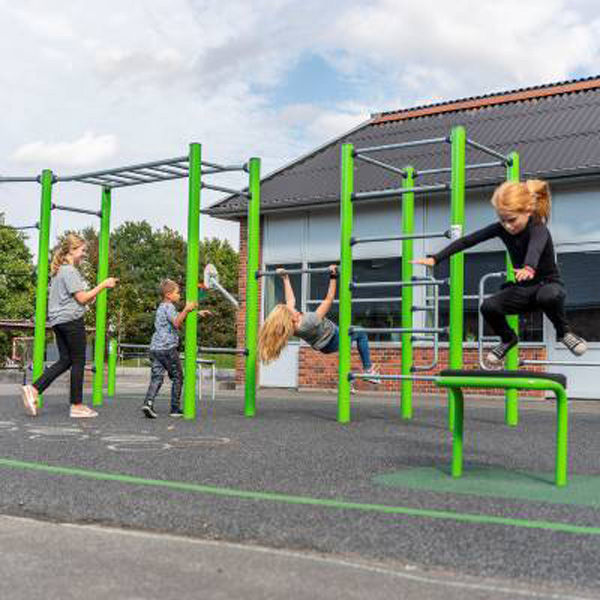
column 520, row 299
column 70, row 339
column 169, row 361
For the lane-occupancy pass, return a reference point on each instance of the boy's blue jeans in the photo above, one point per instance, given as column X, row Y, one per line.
column 361, row 341
column 165, row 361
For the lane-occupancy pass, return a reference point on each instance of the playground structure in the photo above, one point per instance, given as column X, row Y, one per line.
column 191, row 167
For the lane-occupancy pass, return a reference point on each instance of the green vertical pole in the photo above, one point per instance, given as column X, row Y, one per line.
column 408, row 227
column 112, row 367
column 191, row 282
column 41, row 295
column 458, row 407
column 102, row 299
column 345, row 294
column 457, row 261
column 511, row 408
column 562, row 415
column 252, row 306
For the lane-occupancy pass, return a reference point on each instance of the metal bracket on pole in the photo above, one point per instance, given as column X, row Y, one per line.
column 455, row 232
column 211, row 281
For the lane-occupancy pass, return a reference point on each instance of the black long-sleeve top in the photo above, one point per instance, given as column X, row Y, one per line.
column 531, row 247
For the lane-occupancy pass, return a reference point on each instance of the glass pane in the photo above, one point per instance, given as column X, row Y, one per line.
column 274, row 293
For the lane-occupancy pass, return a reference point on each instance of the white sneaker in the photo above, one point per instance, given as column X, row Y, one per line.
column 81, row 411
column 29, row 400
column 375, row 373
column 574, row 344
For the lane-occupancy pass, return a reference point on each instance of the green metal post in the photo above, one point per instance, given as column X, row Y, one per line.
column 511, row 408
column 252, row 305
column 457, row 261
column 112, row 367
column 458, row 406
column 41, row 296
column 191, row 282
column 408, row 227
column 102, row 299
column 562, row 415
column 345, row 294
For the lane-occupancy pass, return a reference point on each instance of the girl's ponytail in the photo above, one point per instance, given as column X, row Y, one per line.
column 540, row 192
column 69, row 242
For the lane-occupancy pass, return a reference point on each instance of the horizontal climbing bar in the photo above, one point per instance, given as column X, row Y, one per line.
column 362, row 300
column 222, row 168
column 417, row 282
column 401, row 145
column 505, row 159
column 83, row 211
column 19, row 179
column 20, row 227
column 424, row 330
column 208, row 350
column 220, row 188
column 399, row 191
column 383, row 165
column 408, row 236
column 564, row 363
column 487, row 165
column 292, row 272
column 352, row 376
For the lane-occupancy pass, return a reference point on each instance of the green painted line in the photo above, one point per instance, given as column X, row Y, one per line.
column 583, row 490
column 301, row 500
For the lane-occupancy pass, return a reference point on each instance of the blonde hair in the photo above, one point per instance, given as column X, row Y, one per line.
column 167, row 286
column 275, row 333
column 70, row 242
column 531, row 196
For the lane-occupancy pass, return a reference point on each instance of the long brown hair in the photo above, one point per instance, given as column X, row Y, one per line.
column 69, row 242
column 532, row 196
column 275, row 333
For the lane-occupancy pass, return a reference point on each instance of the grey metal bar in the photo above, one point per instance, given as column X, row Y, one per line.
column 468, row 167
column 84, row 211
column 381, row 164
column 401, row 145
column 221, row 168
column 220, row 188
column 226, row 294
column 162, row 175
column 433, row 330
column 96, row 181
column 293, row 272
column 352, row 376
column 168, row 161
column 113, row 179
column 377, row 284
column 19, row 179
column 19, row 227
column 170, row 170
column 480, row 323
column 208, row 350
column 412, row 236
column 564, row 363
column 359, row 300
column 399, row 191
column 487, row 150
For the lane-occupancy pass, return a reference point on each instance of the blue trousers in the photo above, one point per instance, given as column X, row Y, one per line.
column 362, row 342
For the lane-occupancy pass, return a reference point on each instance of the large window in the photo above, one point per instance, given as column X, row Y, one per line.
column 273, row 290
column 581, row 274
column 478, row 264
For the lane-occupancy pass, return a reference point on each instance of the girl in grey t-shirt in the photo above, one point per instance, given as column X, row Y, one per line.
column 66, row 307
column 284, row 321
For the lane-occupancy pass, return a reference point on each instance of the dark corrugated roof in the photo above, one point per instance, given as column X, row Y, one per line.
column 556, row 132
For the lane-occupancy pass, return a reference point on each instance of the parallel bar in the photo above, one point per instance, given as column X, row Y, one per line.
column 221, row 168
column 19, row 227
column 563, row 363
column 362, row 300
column 394, row 377
column 378, row 284
column 171, row 170
column 399, row 191
column 137, row 176
column 468, row 167
column 505, row 159
column 168, row 161
column 381, row 164
column 292, row 272
column 19, row 179
column 161, row 175
column 208, row 350
column 110, row 179
column 83, row 211
column 431, row 330
column 401, row 145
column 220, row 188
column 410, row 236
column 96, row 181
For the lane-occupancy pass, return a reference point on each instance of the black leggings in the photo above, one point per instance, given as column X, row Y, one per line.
column 161, row 361
column 519, row 299
column 70, row 339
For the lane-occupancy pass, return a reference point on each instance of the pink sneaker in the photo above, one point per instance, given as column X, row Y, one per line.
column 81, row 411
column 29, row 400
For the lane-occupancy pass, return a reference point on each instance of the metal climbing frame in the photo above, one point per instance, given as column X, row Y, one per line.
column 191, row 167
column 459, row 142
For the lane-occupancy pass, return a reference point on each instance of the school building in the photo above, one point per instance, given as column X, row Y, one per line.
column 556, row 130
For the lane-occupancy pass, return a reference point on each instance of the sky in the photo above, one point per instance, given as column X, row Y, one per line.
column 93, row 85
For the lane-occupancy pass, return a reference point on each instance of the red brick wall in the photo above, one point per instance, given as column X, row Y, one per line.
column 320, row 371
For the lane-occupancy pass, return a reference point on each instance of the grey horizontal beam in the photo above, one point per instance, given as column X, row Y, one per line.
column 223, row 168
column 19, row 227
column 410, row 236
column 161, row 174
column 362, row 300
column 381, row 164
column 487, row 165
column 400, row 191
column 489, row 151
column 207, row 350
column 378, row 284
column 292, row 272
column 220, row 188
column 429, row 330
column 19, row 179
column 401, row 145
column 83, row 211
column 352, row 376
column 564, row 363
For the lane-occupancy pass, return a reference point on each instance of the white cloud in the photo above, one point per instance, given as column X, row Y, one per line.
column 88, row 150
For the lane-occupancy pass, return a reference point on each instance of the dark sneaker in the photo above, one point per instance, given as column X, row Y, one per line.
column 498, row 353
column 574, row 344
column 176, row 412
column 148, row 410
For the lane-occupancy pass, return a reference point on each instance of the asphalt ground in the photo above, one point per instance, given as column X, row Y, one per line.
column 292, row 504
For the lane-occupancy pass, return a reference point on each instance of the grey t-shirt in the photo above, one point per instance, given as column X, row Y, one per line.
column 315, row 330
column 165, row 333
column 62, row 306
